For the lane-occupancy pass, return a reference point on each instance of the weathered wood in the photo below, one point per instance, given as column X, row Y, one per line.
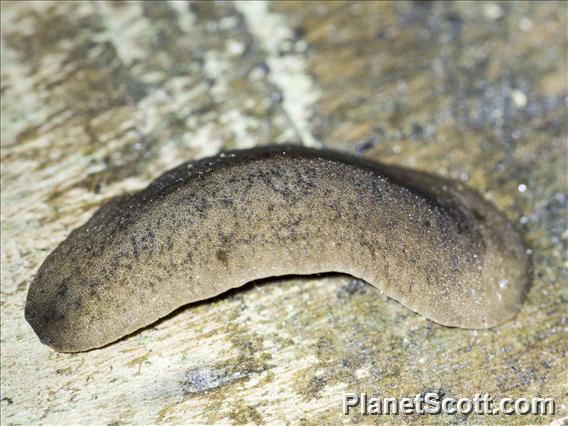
column 99, row 98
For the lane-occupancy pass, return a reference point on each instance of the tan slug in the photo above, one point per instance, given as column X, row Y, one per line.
column 211, row 225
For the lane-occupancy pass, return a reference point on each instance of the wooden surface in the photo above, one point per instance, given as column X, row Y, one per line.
column 98, row 98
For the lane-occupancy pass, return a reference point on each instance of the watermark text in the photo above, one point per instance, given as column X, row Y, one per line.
column 432, row 403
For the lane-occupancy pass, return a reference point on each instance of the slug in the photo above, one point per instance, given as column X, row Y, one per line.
column 212, row 225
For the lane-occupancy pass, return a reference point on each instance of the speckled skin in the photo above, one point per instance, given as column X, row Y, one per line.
column 218, row 223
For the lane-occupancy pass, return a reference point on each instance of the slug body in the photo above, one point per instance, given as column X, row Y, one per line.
column 208, row 226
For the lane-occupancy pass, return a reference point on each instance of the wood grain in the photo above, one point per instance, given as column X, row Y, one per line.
column 98, row 98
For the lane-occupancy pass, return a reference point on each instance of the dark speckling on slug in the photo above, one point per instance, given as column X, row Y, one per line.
column 208, row 226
